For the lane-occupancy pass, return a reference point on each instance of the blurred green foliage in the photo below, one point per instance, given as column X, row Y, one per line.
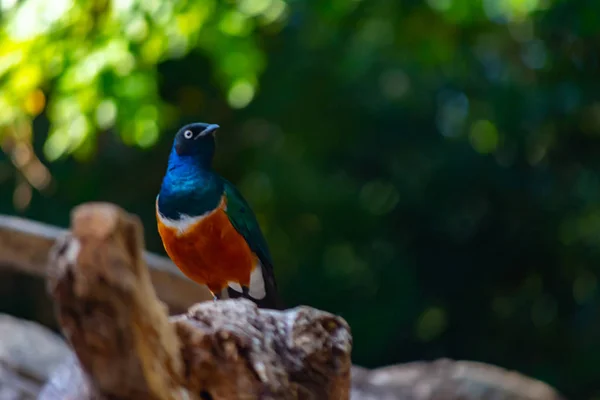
column 428, row 170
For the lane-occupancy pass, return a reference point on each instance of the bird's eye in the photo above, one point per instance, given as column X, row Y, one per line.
column 188, row 134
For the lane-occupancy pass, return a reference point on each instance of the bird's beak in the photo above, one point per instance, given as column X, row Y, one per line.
column 209, row 129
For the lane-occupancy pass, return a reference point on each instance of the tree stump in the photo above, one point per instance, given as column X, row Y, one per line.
column 128, row 348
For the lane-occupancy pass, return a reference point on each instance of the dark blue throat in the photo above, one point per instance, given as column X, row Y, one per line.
column 188, row 188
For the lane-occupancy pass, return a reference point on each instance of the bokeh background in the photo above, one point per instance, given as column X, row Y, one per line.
column 428, row 170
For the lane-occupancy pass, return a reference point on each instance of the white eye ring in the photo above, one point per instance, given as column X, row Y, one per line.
column 188, row 134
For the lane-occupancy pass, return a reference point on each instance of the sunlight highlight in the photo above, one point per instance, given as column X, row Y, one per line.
column 240, row 94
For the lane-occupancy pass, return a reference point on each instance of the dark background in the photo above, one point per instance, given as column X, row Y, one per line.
column 427, row 170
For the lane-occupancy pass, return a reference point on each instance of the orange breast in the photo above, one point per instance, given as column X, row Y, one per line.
column 210, row 251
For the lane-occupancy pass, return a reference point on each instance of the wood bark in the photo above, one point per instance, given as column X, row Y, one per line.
column 230, row 349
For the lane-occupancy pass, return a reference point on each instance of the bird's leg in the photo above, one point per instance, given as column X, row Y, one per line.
column 217, row 296
column 246, row 291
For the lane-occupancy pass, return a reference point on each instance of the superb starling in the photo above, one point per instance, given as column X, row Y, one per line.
column 207, row 228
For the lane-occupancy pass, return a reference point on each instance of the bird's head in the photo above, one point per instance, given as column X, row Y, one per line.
column 196, row 141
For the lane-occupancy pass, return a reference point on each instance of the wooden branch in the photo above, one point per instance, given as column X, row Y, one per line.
column 24, row 246
column 446, row 379
column 228, row 349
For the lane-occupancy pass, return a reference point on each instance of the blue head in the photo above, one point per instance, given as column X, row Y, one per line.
column 189, row 186
column 195, row 144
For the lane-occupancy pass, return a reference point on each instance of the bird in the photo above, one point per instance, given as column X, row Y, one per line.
column 207, row 227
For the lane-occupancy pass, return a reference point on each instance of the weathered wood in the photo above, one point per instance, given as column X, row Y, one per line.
column 224, row 347
column 446, row 379
column 108, row 310
column 14, row 386
column 32, row 353
column 235, row 350
column 29, row 353
column 129, row 349
column 69, row 382
column 25, row 244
